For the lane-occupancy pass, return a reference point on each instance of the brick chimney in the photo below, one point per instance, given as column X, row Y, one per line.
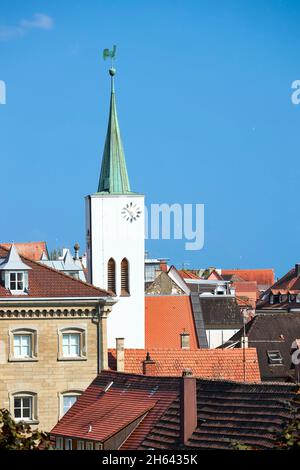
column 244, row 342
column 185, row 340
column 188, row 406
column 297, row 269
column 163, row 266
column 120, row 355
column 149, row 366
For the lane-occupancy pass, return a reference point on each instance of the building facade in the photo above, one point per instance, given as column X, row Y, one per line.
column 52, row 339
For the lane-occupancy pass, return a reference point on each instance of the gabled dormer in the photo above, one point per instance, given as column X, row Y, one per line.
column 14, row 273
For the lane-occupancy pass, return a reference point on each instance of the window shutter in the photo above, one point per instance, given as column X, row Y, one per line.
column 124, row 277
column 111, row 275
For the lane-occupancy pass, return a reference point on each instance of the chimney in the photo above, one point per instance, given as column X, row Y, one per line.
column 120, row 355
column 297, row 269
column 163, row 266
column 244, row 342
column 149, row 366
column 185, row 340
column 76, row 251
column 188, row 406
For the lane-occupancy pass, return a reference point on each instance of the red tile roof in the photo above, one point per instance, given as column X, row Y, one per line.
column 246, row 290
column 250, row 286
column 47, row 282
column 227, row 413
column 288, row 284
column 187, row 274
column 105, row 413
column 170, row 314
column 207, row 363
column 263, row 277
column 31, row 250
column 214, row 275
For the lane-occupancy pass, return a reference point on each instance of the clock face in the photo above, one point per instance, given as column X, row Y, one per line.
column 131, row 212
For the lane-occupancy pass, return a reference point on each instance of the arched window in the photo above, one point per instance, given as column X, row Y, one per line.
column 67, row 399
column 111, row 275
column 72, row 343
column 23, row 344
column 24, row 406
column 124, row 277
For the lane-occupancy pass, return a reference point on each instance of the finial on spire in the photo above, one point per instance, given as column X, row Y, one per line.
column 112, row 71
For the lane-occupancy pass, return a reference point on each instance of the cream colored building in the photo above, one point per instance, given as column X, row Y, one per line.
column 52, row 339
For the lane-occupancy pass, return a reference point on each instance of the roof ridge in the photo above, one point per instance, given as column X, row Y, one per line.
column 22, row 243
column 66, row 276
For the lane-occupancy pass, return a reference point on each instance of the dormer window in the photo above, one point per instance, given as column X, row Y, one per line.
column 14, row 273
column 16, row 281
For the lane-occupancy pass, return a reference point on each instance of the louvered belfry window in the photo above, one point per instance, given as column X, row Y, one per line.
column 124, row 277
column 111, row 275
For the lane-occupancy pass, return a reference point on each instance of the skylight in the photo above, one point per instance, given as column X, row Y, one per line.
column 275, row 357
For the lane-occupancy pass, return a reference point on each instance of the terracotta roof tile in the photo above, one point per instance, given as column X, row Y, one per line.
column 288, row 284
column 263, row 277
column 227, row 411
column 251, row 414
column 208, row 363
column 171, row 314
column 187, row 274
column 47, row 282
column 31, row 250
column 129, row 397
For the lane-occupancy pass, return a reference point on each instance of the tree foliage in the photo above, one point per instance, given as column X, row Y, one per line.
column 19, row 435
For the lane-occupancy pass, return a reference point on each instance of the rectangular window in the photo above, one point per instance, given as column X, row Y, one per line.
column 68, row 444
column 71, row 344
column 16, row 281
column 89, row 446
column 275, row 357
column 149, row 273
column 22, row 345
column 23, row 408
column 59, row 443
column 80, row 445
column 68, row 401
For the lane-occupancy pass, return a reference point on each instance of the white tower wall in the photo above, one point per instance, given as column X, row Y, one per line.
column 110, row 235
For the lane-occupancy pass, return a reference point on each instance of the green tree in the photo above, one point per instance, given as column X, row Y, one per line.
column 19, row 435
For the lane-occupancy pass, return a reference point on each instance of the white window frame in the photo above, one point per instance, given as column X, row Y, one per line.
column 70, row 340
column 72, row 329
column 89, row 445
column 21, row 337
column 70, row 393
column 33, row 406
column 21, row 332
column 16, row 281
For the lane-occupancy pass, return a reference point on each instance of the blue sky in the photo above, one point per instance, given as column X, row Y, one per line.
column 204, row 103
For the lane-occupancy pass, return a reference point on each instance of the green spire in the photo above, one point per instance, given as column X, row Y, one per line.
column 113, row 177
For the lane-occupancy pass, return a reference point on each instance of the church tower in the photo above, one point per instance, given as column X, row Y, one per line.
column 116, row 238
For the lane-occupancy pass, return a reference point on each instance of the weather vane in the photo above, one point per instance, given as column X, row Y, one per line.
column 110, row 54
